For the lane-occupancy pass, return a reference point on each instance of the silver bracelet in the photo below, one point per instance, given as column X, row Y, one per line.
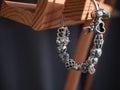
column 63, row 40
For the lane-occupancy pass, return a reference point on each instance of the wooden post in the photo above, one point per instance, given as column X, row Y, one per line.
column 80, row 56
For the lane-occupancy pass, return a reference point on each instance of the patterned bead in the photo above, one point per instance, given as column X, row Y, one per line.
column 96, row 52
column 62, row 49
column 62, row 40
column 91, row 69
column 98, row 41
column 84, row 67
column 63, row 31
column 64, row 57
column 70, row 64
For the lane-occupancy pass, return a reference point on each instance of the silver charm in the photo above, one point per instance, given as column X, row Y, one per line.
column 100, row 27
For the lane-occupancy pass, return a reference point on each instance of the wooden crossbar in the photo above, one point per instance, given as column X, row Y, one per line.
column 47, row 14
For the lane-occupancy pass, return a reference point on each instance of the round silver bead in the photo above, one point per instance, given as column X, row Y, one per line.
column 96, row 52
column 93, row 60
column 99, row 13
column 91, row 69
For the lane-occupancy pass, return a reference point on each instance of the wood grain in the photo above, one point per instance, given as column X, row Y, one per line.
column 47, row 14
column 8, row 10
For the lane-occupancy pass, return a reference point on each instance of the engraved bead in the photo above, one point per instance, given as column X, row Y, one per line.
column 93, row 60
column 84, row 67
column 91, row 69
column 96, row 52
column 98, row 41
column 62, row 49
column 62, row 40
column 63, row 31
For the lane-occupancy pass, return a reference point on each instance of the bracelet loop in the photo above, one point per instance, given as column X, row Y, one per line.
column 63, row 40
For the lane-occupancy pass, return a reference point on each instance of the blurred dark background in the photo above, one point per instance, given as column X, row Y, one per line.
column 29, row 59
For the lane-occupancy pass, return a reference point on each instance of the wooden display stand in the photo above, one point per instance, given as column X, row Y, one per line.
column 47, row 14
